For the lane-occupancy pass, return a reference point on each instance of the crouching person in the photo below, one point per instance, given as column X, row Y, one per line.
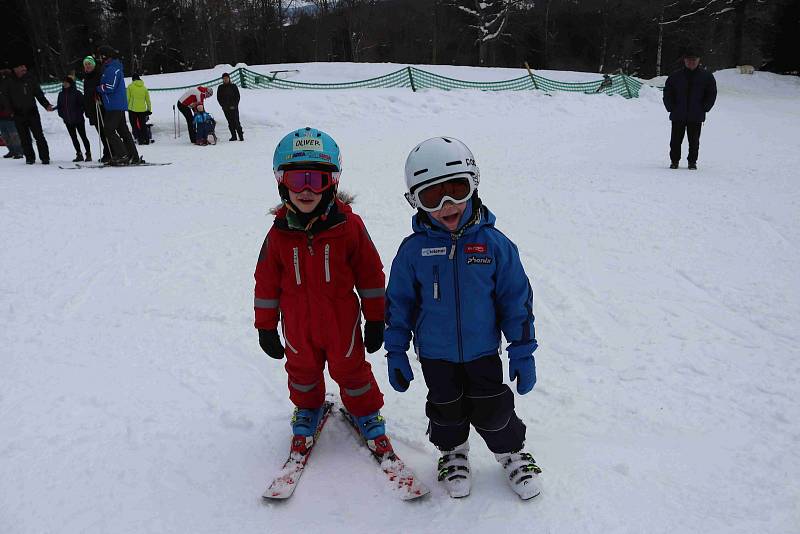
column 204, row 125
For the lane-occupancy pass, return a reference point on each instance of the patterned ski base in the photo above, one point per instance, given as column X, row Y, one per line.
column 402, row 480
column 285, row 482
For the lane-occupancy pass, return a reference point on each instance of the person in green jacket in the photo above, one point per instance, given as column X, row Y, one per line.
column 138, row 109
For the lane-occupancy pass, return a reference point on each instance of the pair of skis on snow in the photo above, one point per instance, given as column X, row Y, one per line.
column 400, row 477
column 106, row 165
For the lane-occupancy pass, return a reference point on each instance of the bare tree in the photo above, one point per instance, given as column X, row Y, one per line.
column 490, row 19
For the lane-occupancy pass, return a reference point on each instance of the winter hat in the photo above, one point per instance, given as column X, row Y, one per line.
column 136, row 77
column 89, row 60
column 691, row 52
column 107, row 51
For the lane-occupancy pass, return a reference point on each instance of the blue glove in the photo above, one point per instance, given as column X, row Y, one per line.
column 522, row 367
column 400, row 373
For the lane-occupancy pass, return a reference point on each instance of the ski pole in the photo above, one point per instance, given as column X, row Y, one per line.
column 103, row 126
column 97, row 128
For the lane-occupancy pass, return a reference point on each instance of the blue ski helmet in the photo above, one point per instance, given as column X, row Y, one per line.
column 307, row 146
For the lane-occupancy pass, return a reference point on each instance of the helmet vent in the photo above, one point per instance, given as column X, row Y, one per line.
column 420, row 172
column 446, row 140
column 449, row 163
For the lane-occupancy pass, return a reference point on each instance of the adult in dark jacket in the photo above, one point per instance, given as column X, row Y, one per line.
column 8, row 131
column 228, row 98
column 689, row 94
column 23, row 92
column 92, row 105
column 115, row 99
column 70, row 109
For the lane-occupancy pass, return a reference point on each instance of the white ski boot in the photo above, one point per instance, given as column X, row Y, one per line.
column 454, row 471
column 522, row 472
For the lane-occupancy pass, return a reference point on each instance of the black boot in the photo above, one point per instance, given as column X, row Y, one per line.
column 88, row 156
column 693, row 165
column 78, row 157
column 673, row 165
column 241, row 136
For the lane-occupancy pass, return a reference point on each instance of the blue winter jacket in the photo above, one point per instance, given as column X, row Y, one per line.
column 202, row 117
column 112, row 87
column 456, row 293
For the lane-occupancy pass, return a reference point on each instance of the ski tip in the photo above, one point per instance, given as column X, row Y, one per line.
column 413, row 495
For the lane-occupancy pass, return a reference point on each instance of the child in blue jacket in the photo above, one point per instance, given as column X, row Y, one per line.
column 204, row 125
column 455, row 284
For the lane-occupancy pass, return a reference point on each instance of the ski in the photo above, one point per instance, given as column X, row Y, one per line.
column 107, row 166
column 402, row 480
column 285, row 482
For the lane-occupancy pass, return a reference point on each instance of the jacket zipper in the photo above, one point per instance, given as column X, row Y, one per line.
column 436, row 282
column 296, row 258
column 327, row 262
column 286, row 339
column 454, row 256
column 353, row 335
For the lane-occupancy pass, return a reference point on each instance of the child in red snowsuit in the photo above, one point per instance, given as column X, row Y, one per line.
column 314, row 256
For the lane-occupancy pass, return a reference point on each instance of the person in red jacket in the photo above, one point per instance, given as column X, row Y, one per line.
column 188, row 102
column 317, row 251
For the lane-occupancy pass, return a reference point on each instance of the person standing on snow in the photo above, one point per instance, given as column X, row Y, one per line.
column 70, row 109
column 112, row 90
column 187, row 104
column 228, row 98
column 689, row 94
column 8, row 129
column 316, row 253
column 23, row 92
column 139, row 108
column 92, row 104
column 456, row 283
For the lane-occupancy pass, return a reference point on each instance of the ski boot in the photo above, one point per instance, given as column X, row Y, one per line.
column 373, row 429
column 120, row 161
column 88, row 156
column 78, row 157
column 454, row 472
column 692, row 165
column 673, row 165
column 304, row 426
column 522, row 472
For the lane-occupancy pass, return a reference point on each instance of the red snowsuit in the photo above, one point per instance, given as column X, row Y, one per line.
column 307, row 281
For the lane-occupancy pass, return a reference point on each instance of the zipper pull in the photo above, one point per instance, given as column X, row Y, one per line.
column 453, row 246
column 310, row 243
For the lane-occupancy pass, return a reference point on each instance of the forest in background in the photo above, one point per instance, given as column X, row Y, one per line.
column 638, row 37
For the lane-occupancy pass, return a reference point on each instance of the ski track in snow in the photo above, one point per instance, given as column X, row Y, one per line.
column 134, row 396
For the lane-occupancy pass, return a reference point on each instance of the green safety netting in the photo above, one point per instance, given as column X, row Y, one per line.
column 414, row 78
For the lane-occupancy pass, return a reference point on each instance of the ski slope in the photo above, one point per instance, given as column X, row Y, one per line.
column 134, row 397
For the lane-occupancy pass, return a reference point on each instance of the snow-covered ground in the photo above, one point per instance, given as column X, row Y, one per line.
column 134, row 397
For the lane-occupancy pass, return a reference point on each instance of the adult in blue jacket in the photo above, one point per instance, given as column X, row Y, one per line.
column 456, row 284
column 689, row 94
column 115, row 104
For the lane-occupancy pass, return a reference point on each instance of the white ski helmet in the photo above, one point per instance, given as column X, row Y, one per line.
column 437, row 158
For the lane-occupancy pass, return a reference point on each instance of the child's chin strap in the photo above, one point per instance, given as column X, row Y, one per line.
column 323, row 216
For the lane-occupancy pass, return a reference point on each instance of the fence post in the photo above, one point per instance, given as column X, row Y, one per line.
column 242, row 79
column 411, row 79
column 533, row 79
